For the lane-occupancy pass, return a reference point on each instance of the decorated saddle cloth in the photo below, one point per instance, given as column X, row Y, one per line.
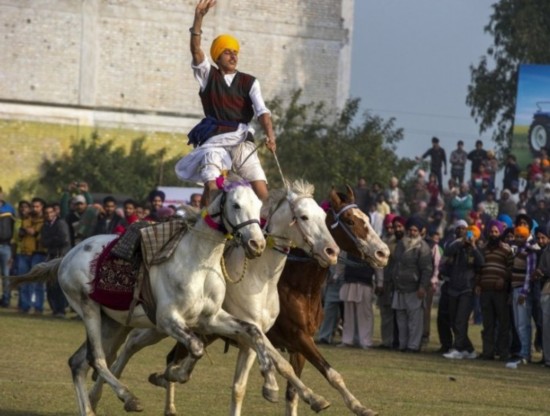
column 119, row 281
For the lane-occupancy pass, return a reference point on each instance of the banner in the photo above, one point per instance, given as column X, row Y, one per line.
column 531, row 132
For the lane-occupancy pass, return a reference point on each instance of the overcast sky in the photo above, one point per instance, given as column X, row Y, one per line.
column 411, row 61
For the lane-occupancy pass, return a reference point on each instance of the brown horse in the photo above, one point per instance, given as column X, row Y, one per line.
column 301, row 311
column 300, row 293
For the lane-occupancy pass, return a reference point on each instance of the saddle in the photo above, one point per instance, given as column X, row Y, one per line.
column 121, row 270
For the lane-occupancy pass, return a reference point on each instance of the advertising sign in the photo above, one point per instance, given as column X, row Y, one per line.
column 531, row 132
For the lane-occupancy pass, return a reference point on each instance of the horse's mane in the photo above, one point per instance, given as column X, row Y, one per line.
column 300, row 187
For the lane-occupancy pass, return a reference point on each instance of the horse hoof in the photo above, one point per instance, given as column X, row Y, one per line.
column 318, row 403
column 133, row 405
column 270, row 395
column 157, row 379
column 366, row 412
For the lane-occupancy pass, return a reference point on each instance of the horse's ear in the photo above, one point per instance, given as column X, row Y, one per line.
column 335, row 200
column 351, row 195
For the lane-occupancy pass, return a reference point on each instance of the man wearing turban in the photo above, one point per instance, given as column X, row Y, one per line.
column 523, row 266
column 411, row 270
column 492, row 285
column 394, row 231
column 230, row 100
column 464, row 260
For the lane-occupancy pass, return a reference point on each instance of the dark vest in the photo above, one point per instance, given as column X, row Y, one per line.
column 358, row 271
column 228, row 103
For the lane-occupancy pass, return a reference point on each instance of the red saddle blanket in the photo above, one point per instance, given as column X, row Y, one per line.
column 114, row 279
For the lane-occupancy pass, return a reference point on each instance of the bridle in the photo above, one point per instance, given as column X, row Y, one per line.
column 337, row 222
column 233, row 233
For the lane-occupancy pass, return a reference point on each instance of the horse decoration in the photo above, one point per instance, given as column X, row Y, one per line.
column 188, row 290
column 293, row 218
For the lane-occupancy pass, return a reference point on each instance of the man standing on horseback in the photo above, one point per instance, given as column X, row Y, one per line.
column 230, row 100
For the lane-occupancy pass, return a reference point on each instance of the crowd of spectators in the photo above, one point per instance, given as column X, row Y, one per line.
column 37, row 231
column 481, row 253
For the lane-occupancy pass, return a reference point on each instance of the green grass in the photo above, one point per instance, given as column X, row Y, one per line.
column 35, row 379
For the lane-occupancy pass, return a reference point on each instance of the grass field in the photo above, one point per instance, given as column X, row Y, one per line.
column 35, row 379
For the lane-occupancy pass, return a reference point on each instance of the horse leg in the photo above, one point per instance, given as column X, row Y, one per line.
column 308, row 350
column 247, row 334
column 245, row 360
column 176, row 354
column 91, row 317
column 297, row 361
column 175, row 326
column 250, row 335
column 174, row 357
column 137, row 340
column 79, row 369
column 315, row 401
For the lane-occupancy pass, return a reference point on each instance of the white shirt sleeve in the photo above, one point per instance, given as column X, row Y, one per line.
column 257, row 100
column 201, row 72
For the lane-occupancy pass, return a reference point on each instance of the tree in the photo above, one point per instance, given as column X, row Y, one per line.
column 521, row 33
column 104, row 167
column 329, row 149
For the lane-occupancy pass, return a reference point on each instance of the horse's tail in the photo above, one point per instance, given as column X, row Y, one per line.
column 42, row 272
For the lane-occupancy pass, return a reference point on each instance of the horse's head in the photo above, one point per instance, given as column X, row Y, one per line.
column 296, row 216
column 352, row 230
column 239, row 209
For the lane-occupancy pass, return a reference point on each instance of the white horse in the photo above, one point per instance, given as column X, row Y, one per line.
column 293, row 219
column 300, row 301
column 188, row 290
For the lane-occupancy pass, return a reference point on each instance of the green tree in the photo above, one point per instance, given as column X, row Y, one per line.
column 105, row 167
column 329, row 149
column 521, row 35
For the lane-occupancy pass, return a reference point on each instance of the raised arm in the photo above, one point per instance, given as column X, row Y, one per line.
column 196, row 30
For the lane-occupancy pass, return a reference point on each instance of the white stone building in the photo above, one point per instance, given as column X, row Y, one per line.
column 127, row 62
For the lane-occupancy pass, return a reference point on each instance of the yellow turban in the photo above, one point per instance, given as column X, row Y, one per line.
column 521, row 231
column 221, row 43
column 475, row 231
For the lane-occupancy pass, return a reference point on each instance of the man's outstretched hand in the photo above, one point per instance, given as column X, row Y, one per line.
column 203, row 6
